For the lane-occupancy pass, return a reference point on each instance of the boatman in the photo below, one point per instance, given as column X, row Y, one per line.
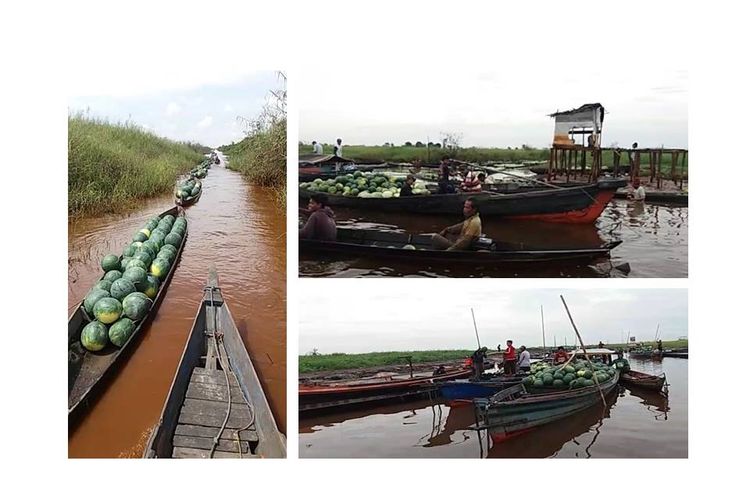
column 477, row 362
column 444, row 183
column 659, row 345
column 338, row 149
column 524, row 360
column 406, row 188
column 317, row 148
column 509, row 358
column 560, row 356
column 320, row 224
column 462, row 235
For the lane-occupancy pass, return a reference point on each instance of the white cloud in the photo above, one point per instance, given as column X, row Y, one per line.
column 228, row 107
column 206, row 121
column 173, row 108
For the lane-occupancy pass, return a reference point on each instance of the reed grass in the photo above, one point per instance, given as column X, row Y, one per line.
column 339, row 361
column 113, row 165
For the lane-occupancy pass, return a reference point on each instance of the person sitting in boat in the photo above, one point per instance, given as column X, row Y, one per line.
column 477, row 362
column 524, row 360
column 462, row 235
column 560, row 356
column 509, row 358
column 320, row 224
column 406, row 189
column 444, row 173
column 440, row 370
column 472, row 182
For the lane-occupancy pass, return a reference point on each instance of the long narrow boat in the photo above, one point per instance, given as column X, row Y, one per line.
column 654, row 354
column 514, row 411
column 216, row 394
column 88, row 371
column 190, row 200
column 390, row 245
column 639, row 379
column 463, row 392
column 342, row 394
column 577, row 204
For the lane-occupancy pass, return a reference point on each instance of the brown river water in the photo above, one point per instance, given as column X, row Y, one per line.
column 654, row 244
column 237, row 228
column 634, row 424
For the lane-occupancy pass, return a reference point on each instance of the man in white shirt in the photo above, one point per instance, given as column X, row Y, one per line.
column 639, row 193
column 338, row 149
column 317, row 148
column 524, row 360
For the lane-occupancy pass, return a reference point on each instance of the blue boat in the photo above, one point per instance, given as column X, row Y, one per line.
column 462, row 392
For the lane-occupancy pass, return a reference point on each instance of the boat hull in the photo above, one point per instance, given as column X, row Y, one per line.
column 463, row 392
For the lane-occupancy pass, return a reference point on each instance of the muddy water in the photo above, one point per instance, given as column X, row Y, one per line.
column 233, row 226
column 635, row 424
column 654, row 243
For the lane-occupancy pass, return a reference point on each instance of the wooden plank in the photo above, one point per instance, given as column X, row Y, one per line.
column 205, row 443
column 210, row 432
column 213, row 392
column 178, row 452
column 213, row 379
column 214, row 407
column 212, row 420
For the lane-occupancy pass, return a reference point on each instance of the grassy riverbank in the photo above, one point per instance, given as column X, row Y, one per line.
column 111, row 166
column 339, row 361
column 408, row 154
column 261, row 158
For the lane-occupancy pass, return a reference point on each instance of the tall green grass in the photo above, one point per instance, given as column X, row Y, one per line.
column 339, row 361
column 261, row 158
column 111, row 166
column 407, row 154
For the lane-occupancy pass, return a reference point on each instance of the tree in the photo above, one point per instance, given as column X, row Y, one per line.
column 419, row 144
column 452, row 140
column 408, row 144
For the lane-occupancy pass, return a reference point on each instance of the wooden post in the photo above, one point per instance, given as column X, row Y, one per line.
column 615, row 161
column 675, row 156
column 637, row 164
column 658, row 169
column 682, row 168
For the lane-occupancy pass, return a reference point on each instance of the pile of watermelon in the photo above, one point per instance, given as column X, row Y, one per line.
column 574, row 375
column 363, row 185
column 187, row 188
column 123, row 297
column 199, row 172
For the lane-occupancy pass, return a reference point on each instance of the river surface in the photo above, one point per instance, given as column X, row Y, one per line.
column 654, row 243
column 237, row 228
column 634, row 424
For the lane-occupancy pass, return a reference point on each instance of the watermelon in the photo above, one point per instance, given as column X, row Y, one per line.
column 152, row 287
column 169, row 247
column 140, row 237
column 120, row 332
column 136, row 276
column 113, row 275
column 568, row 378
column 110, row 262
column 136, row 306
column 104, row 285
column 558, row 383
column 173, row 239
column 108, row 310
column 145, row 256
column 160, row 268
column 128, row 251
column 528, row 381
column 151, row 246
column 92, row 298
column 146, row 231
column 94, row 336
column 547, row 378
column 587, row 373
column 588, row 382
column 135, row 263
column 558, row 375
column 181, row 221
column 122, row 288
column 538, row 382
column 152, row 223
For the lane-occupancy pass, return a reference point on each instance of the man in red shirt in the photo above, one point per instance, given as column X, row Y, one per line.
column 560, row 356
column 509, row 358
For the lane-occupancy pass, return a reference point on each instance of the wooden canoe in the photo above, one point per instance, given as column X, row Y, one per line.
column 190, row 200
column 88, row 371
column 514, row 411
column 389, row 245
column 577, row 204
column 342, row 394
column 215, row 373
column 644, row 380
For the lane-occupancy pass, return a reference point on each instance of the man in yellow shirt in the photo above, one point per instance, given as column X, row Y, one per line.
column 462, row 235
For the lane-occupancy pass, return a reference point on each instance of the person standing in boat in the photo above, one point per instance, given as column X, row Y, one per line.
column 477, row 362
column 320, row 224
column 560, row 356
column 639, row 193
column 338, row 148
column 659, row 345
column 509, row 358
column 462, row 235
column 444, row 173
column 524, row 360
column 317, row 148
column 406, row 189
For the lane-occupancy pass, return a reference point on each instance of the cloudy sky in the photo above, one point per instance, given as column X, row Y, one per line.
column 192, row 111
column 500, row 109
column 434, row 315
